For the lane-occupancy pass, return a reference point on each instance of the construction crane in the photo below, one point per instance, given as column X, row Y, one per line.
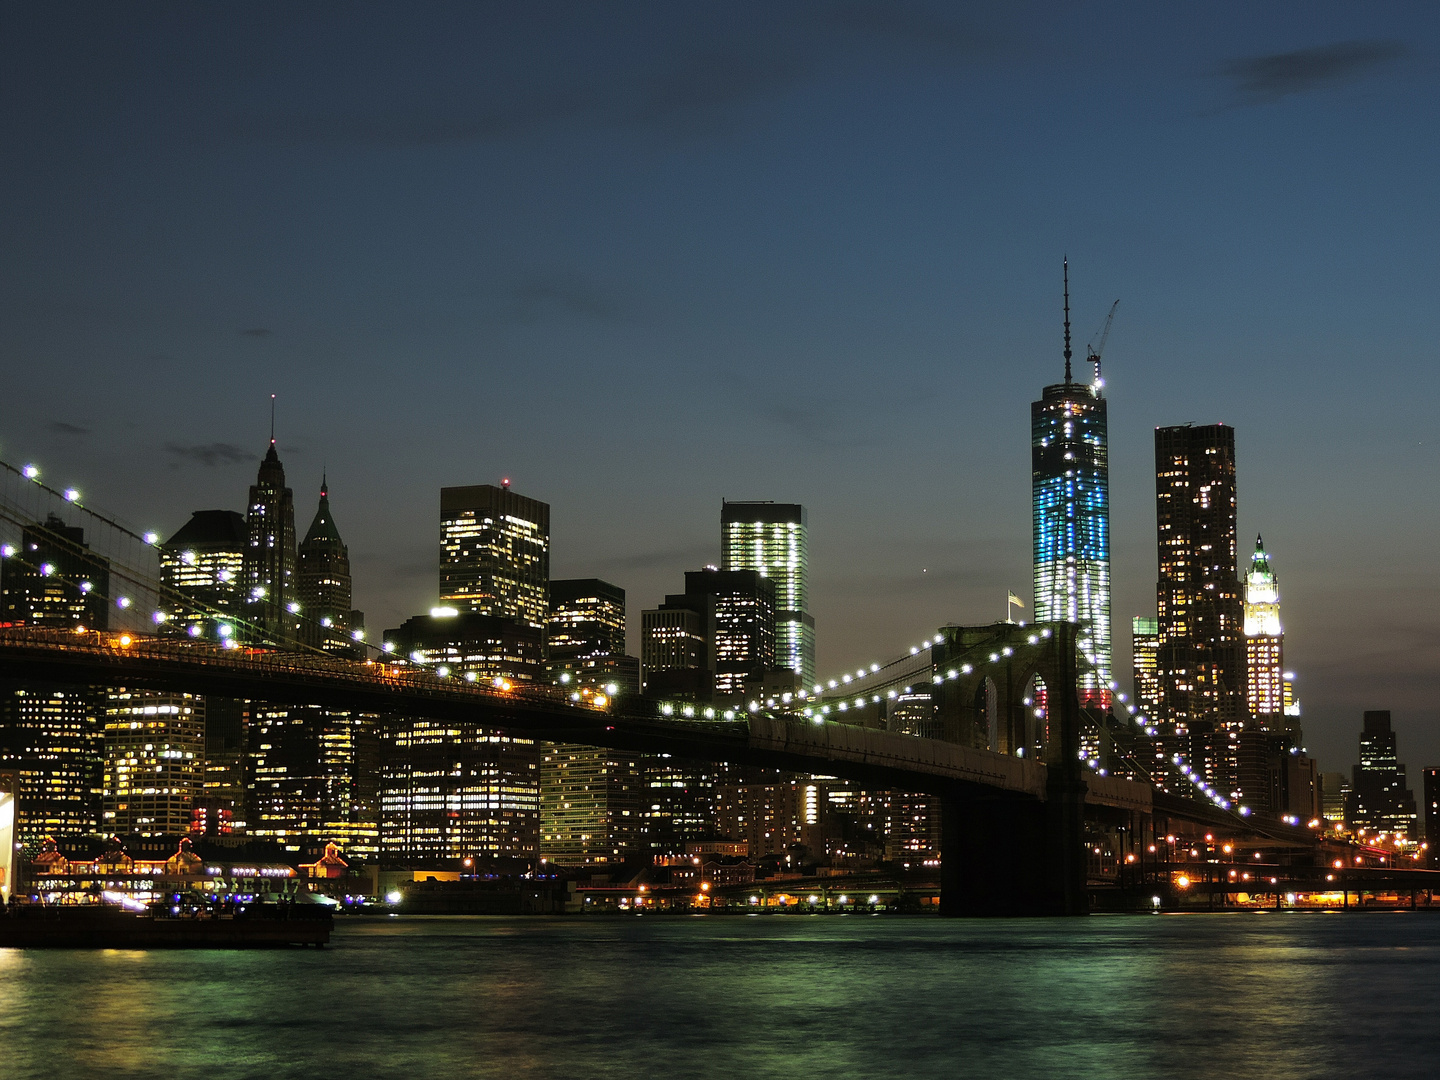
column 1093, row 350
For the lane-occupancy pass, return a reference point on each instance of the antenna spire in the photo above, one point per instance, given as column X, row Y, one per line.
column 272, row 417
column 1067, row 318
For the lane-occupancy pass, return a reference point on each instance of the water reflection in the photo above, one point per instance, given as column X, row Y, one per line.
column 1271, row 995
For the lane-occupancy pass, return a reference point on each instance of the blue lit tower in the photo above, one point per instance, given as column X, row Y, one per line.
column 1071, row 487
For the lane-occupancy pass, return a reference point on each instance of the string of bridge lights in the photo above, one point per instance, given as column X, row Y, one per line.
column 689, row 711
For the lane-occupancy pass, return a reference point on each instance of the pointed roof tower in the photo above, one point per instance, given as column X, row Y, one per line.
column 323, row 527
column 1066, row 266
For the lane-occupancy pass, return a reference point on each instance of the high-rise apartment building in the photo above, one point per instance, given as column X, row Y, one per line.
column 770, row 538
column 1380, row 799
column 495, row 553
column 269, row 602
column 1264, row 644
column 1201, row 613
column 1145, row 652
column 202, row 571
column 154, row 761
column 590, row 801
column 1070, row 490
column 322, row 586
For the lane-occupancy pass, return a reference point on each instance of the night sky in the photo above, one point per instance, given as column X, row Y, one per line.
column 642, row 257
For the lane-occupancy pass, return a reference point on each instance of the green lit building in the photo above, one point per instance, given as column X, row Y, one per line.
column 770, row 538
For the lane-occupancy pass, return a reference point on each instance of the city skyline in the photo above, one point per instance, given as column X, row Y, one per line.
column 871, row 330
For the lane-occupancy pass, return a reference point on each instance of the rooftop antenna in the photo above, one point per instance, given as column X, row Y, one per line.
column 272, row 416
column 1067, row 319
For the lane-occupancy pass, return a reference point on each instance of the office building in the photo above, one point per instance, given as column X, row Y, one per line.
column 154, row 761
column 470, row 645
column 677, row 648
column 1334, row 795
column 1264, row 644
column 453, row 791
column 1070, row 490
column 1145, row 651
column 495, row 553
column 54, row 580
column 269, row 604
column 1380, row 799
column 1432, row 815
column 590, row 797
column 312, row 777
column 585, row 636
column 322, row 586
column 770, row 538
column 744, row 628
column 202, row 573
column 1201, row 614
column 52, row 739
column 51, row 735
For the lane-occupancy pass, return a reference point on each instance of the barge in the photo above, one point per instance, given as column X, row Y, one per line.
column 109, row 926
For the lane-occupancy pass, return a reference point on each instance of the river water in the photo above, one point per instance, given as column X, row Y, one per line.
column 1273, row 995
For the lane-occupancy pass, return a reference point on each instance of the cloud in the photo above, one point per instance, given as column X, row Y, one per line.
column 1260, row 80
column 691, row 557
column 209, row 454
column 60, row 427
column 816, row 424
column 256, row 331
column 543, row 297
column 675, row 77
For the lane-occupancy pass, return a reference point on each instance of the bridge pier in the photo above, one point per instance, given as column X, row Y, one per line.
column 1011, row 855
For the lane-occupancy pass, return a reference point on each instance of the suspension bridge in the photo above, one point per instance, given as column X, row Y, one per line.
column 1001, row 741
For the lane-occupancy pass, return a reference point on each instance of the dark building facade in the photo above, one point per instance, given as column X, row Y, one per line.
column 585, row 636
column 269, row 601
column 55, row 580
column 1200, row 604
column 744, row 626
column 52, row 736
column 1432, row 815
column 1380, row 799
column 322, row 586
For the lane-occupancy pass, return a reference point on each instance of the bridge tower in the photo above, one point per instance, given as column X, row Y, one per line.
column 1005, row 853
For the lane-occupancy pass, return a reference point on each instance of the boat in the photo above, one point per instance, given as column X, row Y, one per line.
column 118, row 926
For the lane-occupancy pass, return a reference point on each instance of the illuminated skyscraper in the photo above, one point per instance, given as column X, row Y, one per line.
column 1264, row 643
column 1201, row 614
column 495, row 553
column 269, row 601
column 744, row 623
column 770, row 538
column 202, row 568
column 322, row 585
column 1145, row 648
column 1070, row 484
